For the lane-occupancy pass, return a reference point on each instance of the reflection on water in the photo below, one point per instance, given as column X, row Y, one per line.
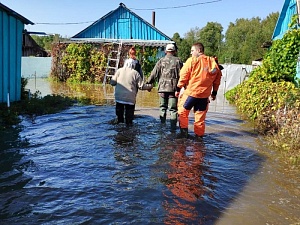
column 74, row 167
column 185, row 181
column 95, row 92
column 104, row 96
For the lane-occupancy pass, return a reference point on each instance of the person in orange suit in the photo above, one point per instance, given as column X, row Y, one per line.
column 200, row 77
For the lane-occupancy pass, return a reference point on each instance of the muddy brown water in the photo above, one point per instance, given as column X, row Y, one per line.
column 75, row 167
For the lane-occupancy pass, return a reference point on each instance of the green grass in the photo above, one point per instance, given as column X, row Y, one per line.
column 35, row 106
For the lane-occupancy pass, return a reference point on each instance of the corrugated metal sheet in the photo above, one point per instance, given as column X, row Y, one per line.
column 11, row 29
column 122, row 24
column 288, row 10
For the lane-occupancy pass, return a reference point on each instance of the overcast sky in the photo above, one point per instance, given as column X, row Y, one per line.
column 68, row 17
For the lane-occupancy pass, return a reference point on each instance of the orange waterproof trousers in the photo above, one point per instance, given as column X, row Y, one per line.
column 183, row 114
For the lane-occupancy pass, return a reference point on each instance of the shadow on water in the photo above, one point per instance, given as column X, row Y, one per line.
column 78, row 168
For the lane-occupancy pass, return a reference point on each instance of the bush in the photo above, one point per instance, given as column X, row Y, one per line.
column 271, row 99
column 32, row 107
column 287, row 138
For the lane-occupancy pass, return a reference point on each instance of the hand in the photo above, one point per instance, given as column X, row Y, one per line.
column 213, row 97
column 176, row 94
column 150, row 85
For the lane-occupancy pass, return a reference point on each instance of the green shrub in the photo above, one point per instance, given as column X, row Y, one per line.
column 270, row 97
column 32, row 107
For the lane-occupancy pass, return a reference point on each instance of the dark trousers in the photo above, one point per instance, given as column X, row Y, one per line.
column 199, row 104
column 168, row 101
column 129, row 113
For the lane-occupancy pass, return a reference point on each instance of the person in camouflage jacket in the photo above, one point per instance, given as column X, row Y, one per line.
column 166, row 72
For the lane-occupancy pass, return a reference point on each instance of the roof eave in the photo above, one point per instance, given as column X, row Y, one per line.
column 123, row 6
column 123, row 41
column 15, row 14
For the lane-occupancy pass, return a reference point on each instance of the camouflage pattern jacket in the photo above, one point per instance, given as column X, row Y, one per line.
column 166, row 71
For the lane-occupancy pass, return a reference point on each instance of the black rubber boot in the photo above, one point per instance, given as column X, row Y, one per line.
column 162, row 119
column 184, row 133
column 173, row 125
column 129, row 123
column 120, row 112
column 198, row 138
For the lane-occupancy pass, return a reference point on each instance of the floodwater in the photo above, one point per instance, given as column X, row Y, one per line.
column 75, row 167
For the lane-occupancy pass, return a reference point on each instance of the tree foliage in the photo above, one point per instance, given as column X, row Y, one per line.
column 280, row 62
column 270, row 97
column 184, row 48
column 244, row 39
column 83, row 63
column 279, row 67
column 46, row 41
column 147, row 58
column 241, row 44
column 211, row 37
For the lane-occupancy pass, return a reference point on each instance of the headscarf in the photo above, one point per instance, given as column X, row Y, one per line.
column 130, row 63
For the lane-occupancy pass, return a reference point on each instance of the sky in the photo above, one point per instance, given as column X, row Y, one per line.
column 69, row 17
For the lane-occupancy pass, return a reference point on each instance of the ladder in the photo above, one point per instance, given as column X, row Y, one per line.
column 111, row 67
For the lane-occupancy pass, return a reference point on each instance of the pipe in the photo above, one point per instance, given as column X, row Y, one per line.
column 8, row 101
column 153, row 18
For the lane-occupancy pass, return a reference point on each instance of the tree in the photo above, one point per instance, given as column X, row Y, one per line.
column 268, row 25
column 192, row 36
column 211, row 37
column 47, row 41
column 245, row 37
column 184, row 48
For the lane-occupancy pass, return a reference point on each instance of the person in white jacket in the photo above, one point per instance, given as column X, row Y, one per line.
column 127, row 81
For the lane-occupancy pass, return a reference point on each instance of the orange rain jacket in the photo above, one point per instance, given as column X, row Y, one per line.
column 200, row 75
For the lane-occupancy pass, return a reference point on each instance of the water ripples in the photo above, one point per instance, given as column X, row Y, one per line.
column 75, row 167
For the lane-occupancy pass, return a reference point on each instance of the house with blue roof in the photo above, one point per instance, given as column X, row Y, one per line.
column 11, row 33
column 123, row 25
column 123, row 28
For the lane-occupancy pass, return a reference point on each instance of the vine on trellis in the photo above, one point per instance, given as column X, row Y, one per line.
column 85, row 62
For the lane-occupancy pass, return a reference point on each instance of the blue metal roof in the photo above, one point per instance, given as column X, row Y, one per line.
column 288, row 10
column 122, row 23
column 14, row 14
